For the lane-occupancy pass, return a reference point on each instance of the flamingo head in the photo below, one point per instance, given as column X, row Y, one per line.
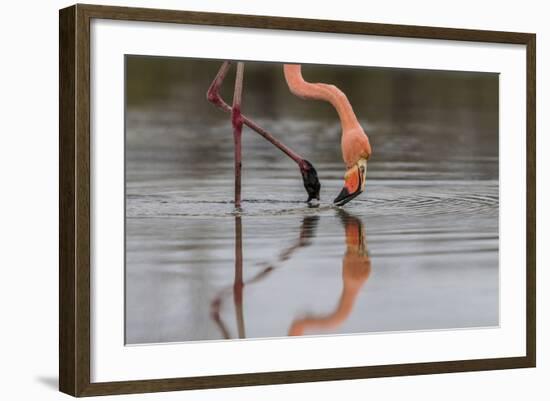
column 311, row 180
column 354, row 182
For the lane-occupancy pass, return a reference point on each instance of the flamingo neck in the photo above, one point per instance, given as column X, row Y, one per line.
column 319, row 91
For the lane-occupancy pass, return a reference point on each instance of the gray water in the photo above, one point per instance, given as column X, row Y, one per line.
column 417, row 251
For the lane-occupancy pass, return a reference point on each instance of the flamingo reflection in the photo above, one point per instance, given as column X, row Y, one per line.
column 356, row 268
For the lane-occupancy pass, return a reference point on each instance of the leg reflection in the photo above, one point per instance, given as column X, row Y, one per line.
column 238, row 283
column 356, row 268
column 307, row 232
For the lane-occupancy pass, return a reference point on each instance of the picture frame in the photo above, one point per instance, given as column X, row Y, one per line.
column 76, row 199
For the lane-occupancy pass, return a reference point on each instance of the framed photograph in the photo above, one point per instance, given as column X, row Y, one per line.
column 250, row 200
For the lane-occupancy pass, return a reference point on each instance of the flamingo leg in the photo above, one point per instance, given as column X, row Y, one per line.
column 237, row 122
column 309, row 174
column 214, row 97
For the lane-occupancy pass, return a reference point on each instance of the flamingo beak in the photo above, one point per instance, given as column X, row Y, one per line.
column 354, row 183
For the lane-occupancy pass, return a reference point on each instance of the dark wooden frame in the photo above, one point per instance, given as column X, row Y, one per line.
column 74, row 200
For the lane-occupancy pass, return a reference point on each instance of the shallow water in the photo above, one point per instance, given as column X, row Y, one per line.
column 417, row 251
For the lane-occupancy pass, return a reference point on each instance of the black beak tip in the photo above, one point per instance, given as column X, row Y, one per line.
column 344, row 197
column 340, row 200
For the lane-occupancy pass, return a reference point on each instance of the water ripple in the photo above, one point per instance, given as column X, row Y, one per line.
column 383, row 201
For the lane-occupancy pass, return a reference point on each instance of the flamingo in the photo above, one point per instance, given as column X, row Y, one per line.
column 355, row 144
